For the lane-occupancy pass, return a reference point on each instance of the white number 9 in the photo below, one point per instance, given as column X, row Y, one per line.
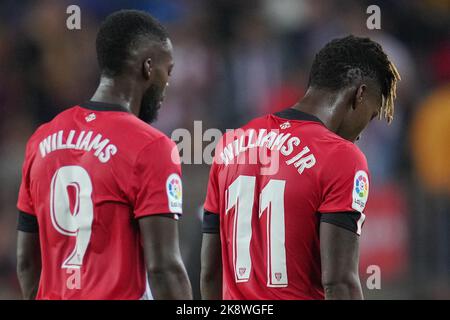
column 77, row 222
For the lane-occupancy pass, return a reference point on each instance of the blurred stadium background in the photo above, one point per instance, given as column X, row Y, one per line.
column 235, row 60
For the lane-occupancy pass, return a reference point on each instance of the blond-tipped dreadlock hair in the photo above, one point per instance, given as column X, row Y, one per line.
column 387, row 106
column 342, row 60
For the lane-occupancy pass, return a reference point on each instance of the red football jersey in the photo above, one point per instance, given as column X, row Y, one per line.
column 88, row 175
column 270, row 182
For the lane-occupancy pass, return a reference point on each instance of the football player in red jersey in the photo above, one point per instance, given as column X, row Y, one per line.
column 286, row 193
column 101, row 189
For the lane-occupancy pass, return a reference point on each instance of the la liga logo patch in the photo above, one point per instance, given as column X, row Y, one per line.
column 360, row 190
column 174, row 187
column 174, row 190
column 362, row 186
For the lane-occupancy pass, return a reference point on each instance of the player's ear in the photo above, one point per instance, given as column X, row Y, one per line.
column 359, row 96
column 147, row 68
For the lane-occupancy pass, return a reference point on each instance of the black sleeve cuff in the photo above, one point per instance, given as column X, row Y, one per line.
column 211, row 222
column 347, row 220
column 27, row 222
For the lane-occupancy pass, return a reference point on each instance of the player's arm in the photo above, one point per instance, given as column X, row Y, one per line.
column 211, row 253
column 28, row 248
column 167, row 275
column 339, row 251
column 345, row 192
column 157, row 193
column 28, row 255
column 211, row 259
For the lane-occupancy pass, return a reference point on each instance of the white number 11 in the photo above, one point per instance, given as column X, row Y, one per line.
column 240, row 195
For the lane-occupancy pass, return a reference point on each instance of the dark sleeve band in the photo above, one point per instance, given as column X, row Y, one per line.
column 211, row 222
column 347, row 220
column 27, row 223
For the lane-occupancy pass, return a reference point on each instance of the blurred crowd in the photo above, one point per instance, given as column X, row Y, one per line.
column 235, row 60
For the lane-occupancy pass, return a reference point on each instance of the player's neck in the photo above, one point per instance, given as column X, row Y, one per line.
column 323, row 105
column 119, row 92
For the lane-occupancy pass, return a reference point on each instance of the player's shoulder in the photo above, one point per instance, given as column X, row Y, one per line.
column 232, row 134
column 258, row 122
column 58, row 120
column 255, row 124
column 140, row 129
column 146, row 139
column 157, row 140
column 44, row 128
column 347, row 149
column 123, row 126
column 341, row 150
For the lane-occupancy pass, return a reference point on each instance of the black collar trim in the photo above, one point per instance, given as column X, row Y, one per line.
column 294, row 114
column 103, row 106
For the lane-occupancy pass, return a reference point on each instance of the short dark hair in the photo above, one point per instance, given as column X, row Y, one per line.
column 342, row 60
column 119, row 33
